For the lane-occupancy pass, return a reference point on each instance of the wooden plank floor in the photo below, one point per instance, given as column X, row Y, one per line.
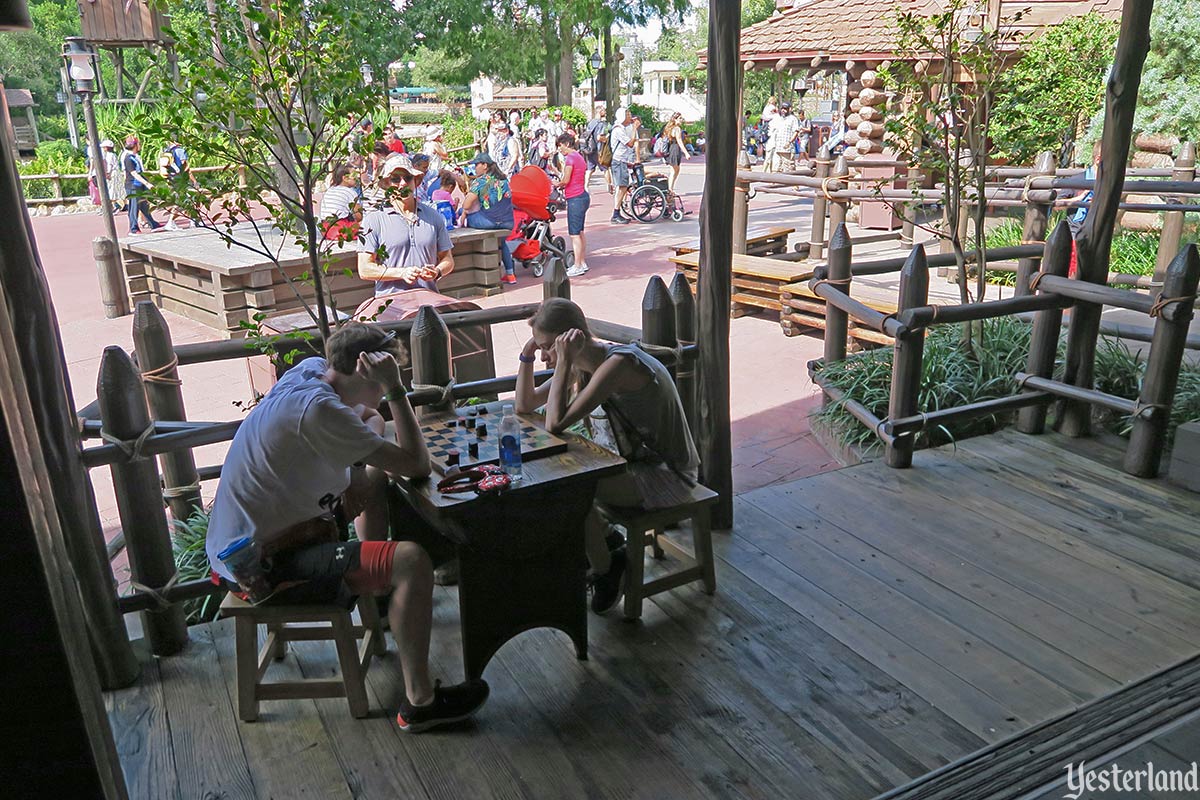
column 870, row 625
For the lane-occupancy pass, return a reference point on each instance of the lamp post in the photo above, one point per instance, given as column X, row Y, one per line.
column 81, row 68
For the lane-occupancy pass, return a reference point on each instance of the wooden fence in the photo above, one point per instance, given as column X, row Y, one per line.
column 56, row 181
column 139, row 415
column 1046, row 294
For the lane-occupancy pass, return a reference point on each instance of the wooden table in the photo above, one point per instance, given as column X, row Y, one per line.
column 194, row 273
column 759, row 242
column 521, row 554
column 756, row 280
column 803, row 309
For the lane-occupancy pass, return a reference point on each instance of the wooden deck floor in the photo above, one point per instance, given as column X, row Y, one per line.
column 870, row 625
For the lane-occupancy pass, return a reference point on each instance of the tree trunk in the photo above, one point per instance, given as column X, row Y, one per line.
column 550, row 62
column 214, row 19
column 566, row 62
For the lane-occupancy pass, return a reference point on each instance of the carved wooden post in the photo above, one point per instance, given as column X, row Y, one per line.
column 160, row 374
column 816, row 237
column 658, row 316
column 1047, row 324
column 1037, row 217
column 906, row 363
column 836, row 320
column 837, row 182
column 113, row 291
column 1174, row 314
column 741, row 205
column 139, row 497
column 685, row 333
column 1172, row 230
column 429, row 343
column 555, row 282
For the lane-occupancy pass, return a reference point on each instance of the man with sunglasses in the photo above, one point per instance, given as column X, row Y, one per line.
column 405, row 244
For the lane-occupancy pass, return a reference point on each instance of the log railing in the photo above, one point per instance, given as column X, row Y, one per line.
column 56, row 179
column 140, row 414
column 1049, row 294
column 829, row 184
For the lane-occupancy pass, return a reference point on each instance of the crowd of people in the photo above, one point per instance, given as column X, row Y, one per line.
column 782, row 138
column 128, row 181
column 381, row 196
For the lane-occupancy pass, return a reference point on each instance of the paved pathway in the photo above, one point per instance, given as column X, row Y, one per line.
column 771, row 394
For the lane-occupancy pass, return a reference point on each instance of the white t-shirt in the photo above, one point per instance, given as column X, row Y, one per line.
column 295, row 448
column 783, row 130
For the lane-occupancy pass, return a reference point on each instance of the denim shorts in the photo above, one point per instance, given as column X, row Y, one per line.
column 576, row 211
column 620, row 173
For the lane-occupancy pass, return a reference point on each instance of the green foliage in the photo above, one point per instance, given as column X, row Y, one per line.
column 191, row 561
column 647, row 114
column 1169, row 96
column 417, row 116
column 54, row 156
column 1133, row 252
column 1046, row 98
column 571, row 114
column 950, row 377
column 31, row 59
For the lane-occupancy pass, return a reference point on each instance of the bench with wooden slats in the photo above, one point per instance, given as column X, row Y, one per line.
column 803, row 310
column 757, row 281
column 759, row 242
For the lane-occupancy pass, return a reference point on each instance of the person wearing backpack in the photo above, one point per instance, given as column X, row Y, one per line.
column 595, row 138
column 539, row 151
column 173, row 167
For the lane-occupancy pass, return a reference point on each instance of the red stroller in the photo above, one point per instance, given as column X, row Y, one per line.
column 534, row 205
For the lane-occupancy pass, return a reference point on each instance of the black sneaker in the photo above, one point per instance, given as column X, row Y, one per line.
column 608, row 588
column 619, row 221
column 450, row 704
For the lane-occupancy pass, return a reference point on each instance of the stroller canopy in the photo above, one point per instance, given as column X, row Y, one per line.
column 531, row 192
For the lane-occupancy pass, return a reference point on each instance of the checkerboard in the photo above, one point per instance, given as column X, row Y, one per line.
column 445, row 435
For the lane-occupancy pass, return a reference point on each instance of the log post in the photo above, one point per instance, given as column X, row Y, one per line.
column 160, row 374
column 658, row 316
column 1175, row 308
column 555, row 282
column 909, row 352
column 113, row 291
column 741, row 205
column 685, row 333
column 1037, row 217
column 139, row 497
column 816, row 238
column 836, row 320
column 56, row 181
column 1047, row 324
column 1172, row 230
column 429, row 344
column 1094, row 243
column 837, row 181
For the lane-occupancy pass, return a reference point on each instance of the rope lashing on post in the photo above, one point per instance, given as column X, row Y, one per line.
column 447, row 391
column 132, row 448
column 1028, row 186
column 1160, row 302
column 924, row 422
column 1035, row 279
column 163, row 374
column 679, row 356
column 883, row 322
column 829, row 198
column 1140, row 409
column 173, row 492
column 838, row 283
column 160, row 601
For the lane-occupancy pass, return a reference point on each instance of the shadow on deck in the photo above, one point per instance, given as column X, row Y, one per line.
column 870, row 625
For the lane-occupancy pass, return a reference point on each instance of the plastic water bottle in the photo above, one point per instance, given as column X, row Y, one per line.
column 510, row 443
column 244, row 560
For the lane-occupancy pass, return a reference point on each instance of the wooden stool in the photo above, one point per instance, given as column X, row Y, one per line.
column 645, row 527
column 282, row 627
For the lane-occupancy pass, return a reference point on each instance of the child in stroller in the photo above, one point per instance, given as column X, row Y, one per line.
column 535, row 203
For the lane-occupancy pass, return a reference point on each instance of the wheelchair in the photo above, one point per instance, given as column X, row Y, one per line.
column 648, row 199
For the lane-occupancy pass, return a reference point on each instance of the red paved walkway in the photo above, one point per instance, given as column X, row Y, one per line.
column 771, row 394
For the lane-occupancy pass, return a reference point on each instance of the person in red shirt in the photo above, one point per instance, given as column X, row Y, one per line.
column 573, row 183
column 393, row 141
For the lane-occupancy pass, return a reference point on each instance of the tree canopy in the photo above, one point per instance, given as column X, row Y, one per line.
column 1169, row 98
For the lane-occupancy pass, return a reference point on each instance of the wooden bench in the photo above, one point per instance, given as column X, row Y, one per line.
column 804, row 310
column 759, row 242
column 646, row 527
column 757, row 280
column 302, row 623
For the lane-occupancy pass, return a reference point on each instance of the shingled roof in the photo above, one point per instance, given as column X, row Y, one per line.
column 864, row 29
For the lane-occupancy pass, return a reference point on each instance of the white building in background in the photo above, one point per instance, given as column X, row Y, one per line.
column 664, row 88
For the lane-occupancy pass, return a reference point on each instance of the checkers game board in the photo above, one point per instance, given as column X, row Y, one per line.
column 448, row 434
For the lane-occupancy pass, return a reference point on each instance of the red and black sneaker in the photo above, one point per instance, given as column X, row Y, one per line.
column 450, row 704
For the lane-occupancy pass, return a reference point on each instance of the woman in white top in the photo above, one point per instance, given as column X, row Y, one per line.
column 435, row 149
column 770, row 110
column 341, row 206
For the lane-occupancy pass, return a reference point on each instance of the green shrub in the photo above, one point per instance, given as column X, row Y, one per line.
column 571, row 114
column 54, row 156
column 407, row 116
column 647, row 115
column 191, row 561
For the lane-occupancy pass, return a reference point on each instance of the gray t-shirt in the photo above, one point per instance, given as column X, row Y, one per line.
column 295, row 448
column 407, row 245
column 620, row 141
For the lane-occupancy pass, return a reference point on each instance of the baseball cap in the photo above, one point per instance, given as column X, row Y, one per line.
column 482, row 158
column 785, row 104
column 107, row 143
column 621, row 112
column 398, row 161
